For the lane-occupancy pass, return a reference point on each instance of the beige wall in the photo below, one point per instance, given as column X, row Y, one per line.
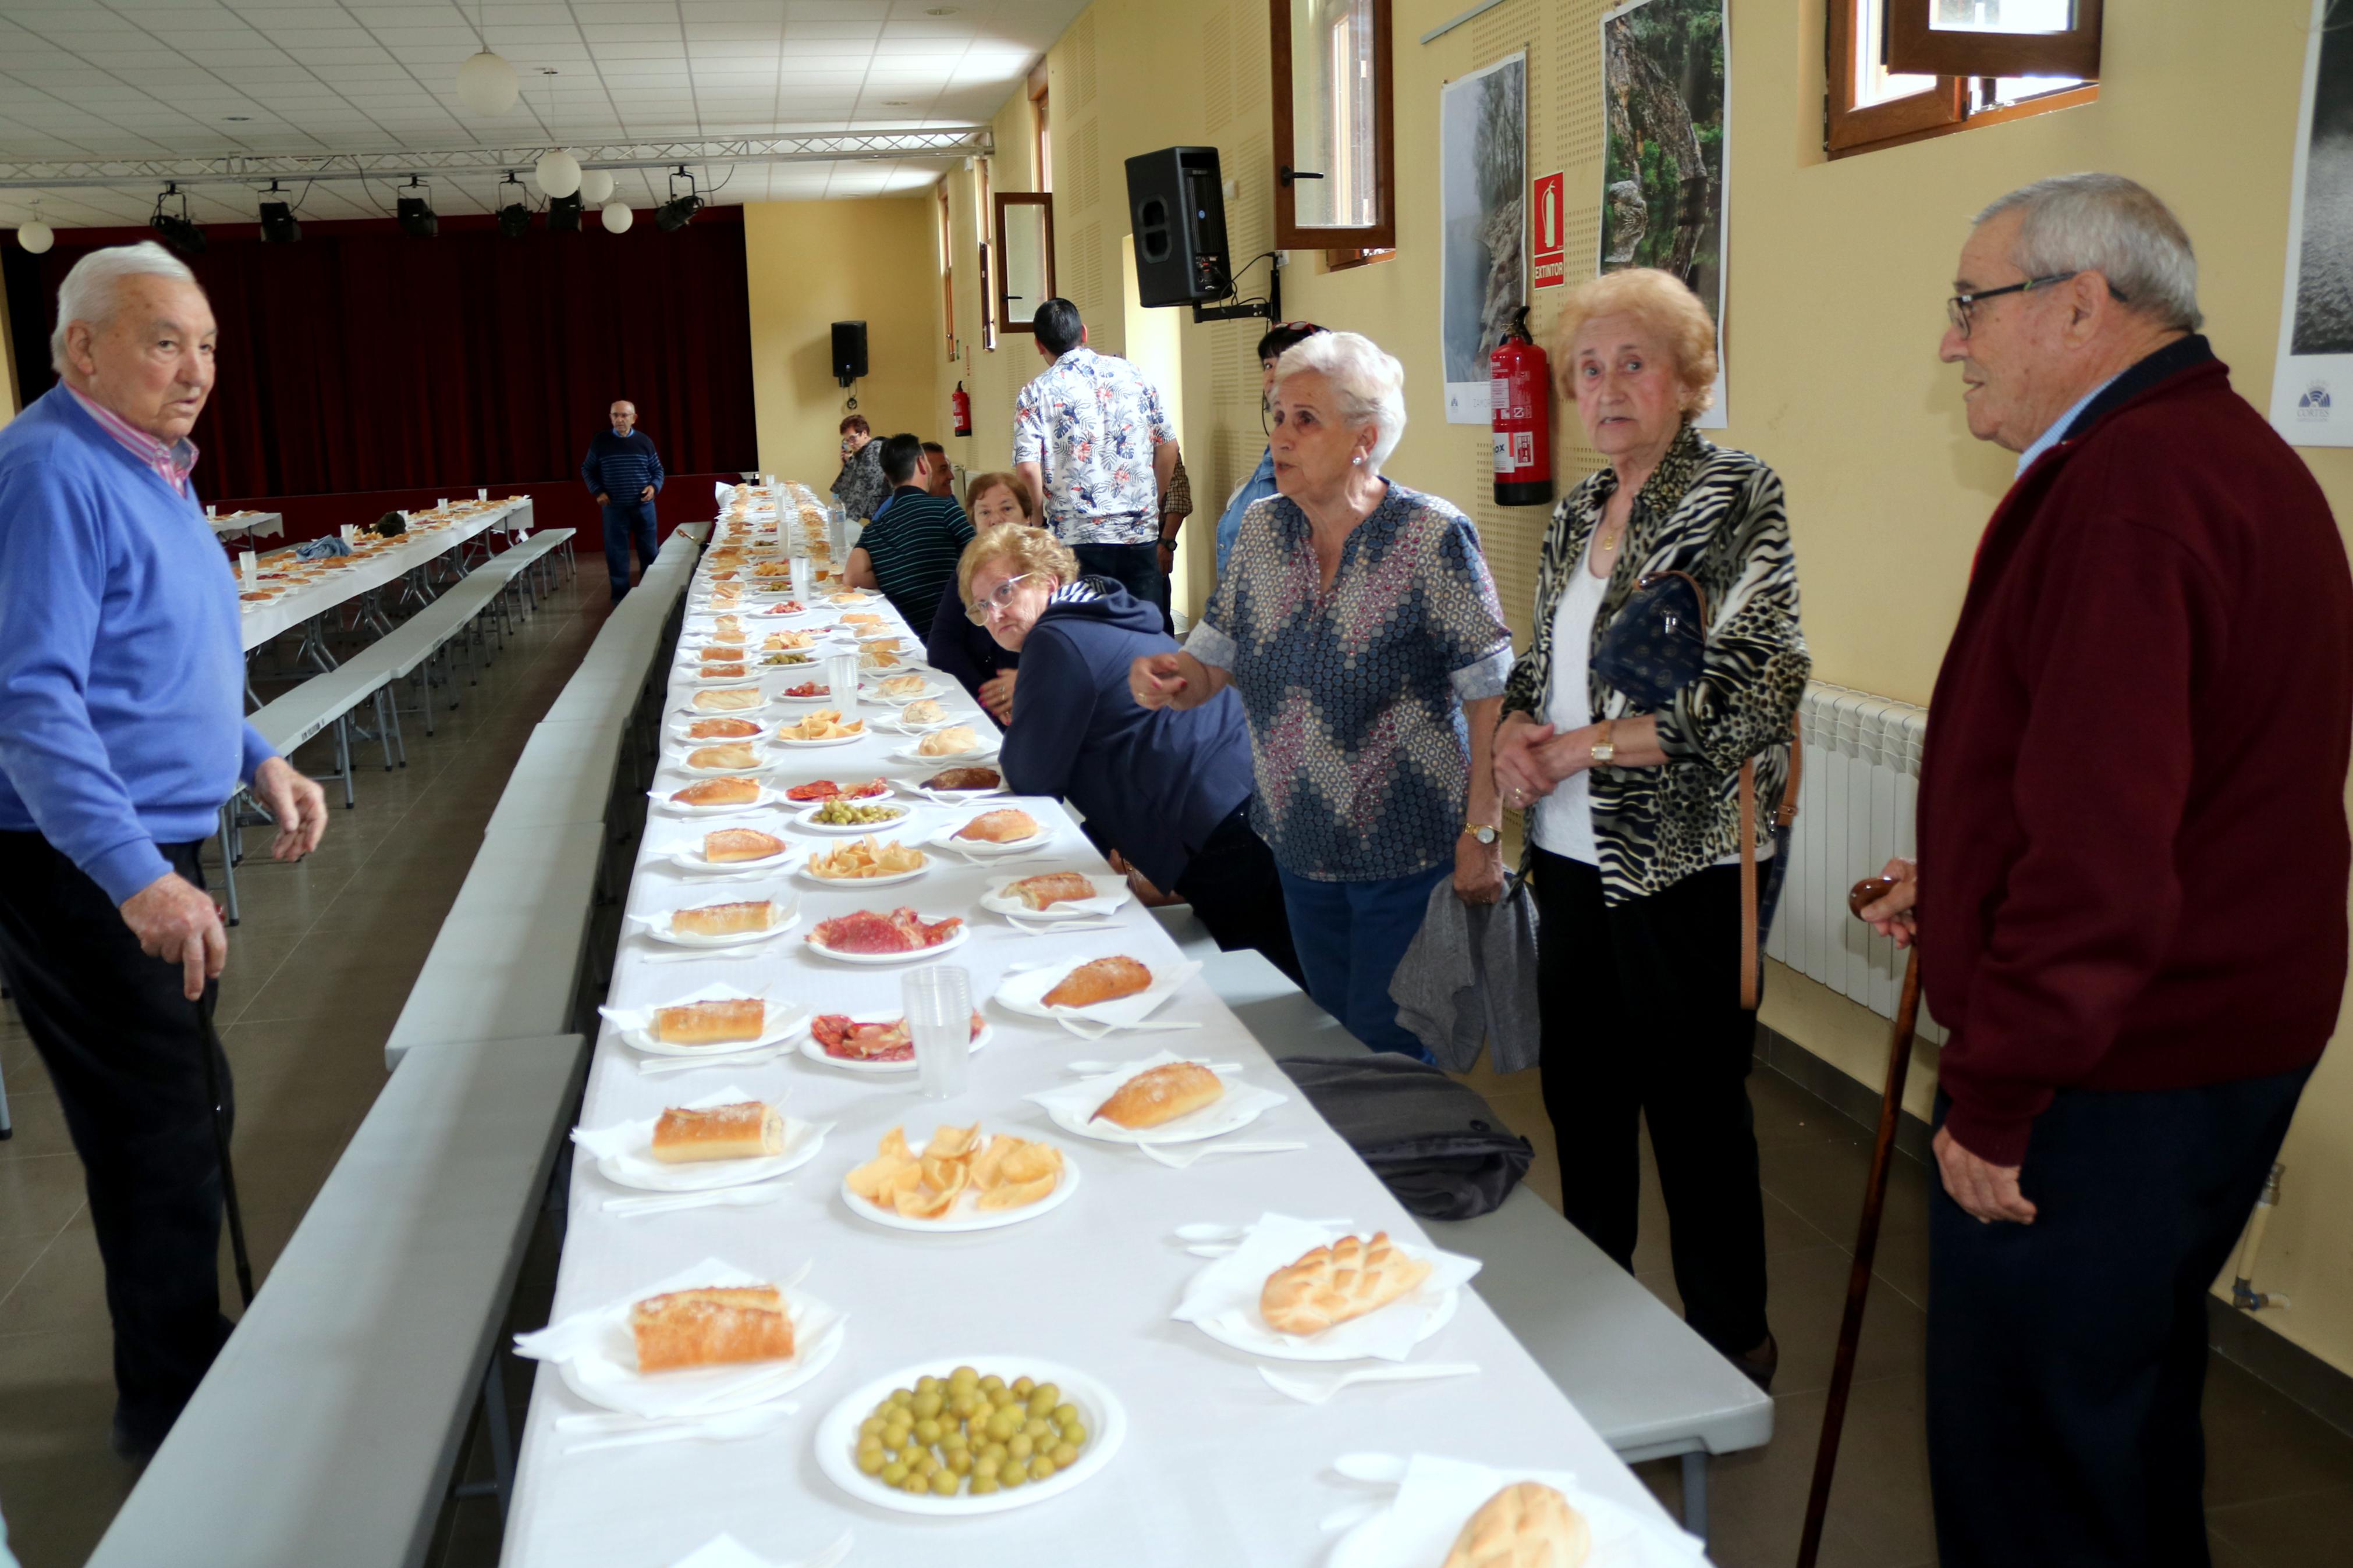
column 1838, row 273
column 811, row 264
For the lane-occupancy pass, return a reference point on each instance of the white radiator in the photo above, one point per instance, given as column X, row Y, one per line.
column 1855, row 812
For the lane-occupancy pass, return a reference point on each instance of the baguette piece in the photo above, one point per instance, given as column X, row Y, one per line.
column 732, row 844
column 713, row 1326
column 734, row 700
column 1007, row 824
column 721, row 730
column 719, row 792
column 1523, row 1526
column 1105, row 979
column 737, row 754
column 723, row 920
column 736, row 1019
column 1332, row 1284
column 745, row 1131
column 1162, row 1094
column 1053, row 887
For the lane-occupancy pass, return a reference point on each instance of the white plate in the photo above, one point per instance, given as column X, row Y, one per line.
column 953, row 796
column 869, row 693
column 817, row 1053
column 983, row 754
column 1024, row 990
column 782, row 740
column 687, row 709
column 781, row 698
column 767, row 797
column 689, row 858
column 807, row 819
column 852, row 598
column 638, row 1167
column 1111, row 892
column 837, row 1437
column 894, row 878
column 658, row 926
column 606, row 1374
column 693, row 772
column 1072, row 1107
column 635, row 1024
column 965, row 1215
column 982, row 848
column 955, row 939
column 1439, row 1496
column 900, row 725
column 1221, row 1297
column 678, row 730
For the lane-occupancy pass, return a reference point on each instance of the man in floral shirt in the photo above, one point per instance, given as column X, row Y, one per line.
column 1090, row 435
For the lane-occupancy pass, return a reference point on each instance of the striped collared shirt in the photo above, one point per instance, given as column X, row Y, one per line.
column 171, row 463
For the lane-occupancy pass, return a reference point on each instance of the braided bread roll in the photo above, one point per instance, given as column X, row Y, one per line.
column 1523, row 1526
column 1332, row 1284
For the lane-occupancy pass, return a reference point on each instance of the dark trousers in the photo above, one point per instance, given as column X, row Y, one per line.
column 1351, row 937
column 1232, row 884
column 2066, row 1357
column 122, row 1045
column 1642, row 1019
column 626, row 523
column 1134, row 567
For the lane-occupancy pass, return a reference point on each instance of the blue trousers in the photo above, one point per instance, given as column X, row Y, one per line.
column 627, row 522
column 1351, row 937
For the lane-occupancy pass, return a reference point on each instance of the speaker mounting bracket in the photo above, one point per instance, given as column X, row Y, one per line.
column 1270, row 308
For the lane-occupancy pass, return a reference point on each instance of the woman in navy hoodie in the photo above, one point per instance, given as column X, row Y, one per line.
column 1169, row 790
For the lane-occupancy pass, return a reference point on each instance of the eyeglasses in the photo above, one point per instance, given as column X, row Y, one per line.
column 999, row 598
column 1958, row 307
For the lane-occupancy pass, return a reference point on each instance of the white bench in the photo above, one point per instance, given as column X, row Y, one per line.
column 329, row 1429
column 1651, row 1386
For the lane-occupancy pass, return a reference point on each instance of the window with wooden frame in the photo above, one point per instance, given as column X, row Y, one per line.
column 980, row 221
column 1025, row 256
column 1904, row 71
column 947, row 270
column 1334, row 126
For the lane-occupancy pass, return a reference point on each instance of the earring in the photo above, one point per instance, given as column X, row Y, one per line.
column 1358, row 461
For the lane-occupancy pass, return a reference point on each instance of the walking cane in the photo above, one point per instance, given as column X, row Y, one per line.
column 211, row 1048
column 1866, row 1240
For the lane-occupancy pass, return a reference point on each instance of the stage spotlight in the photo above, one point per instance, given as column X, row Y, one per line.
column 278, row 224
column 564, row 213
column 416, row 218
column 679, row 211
column 514, row 206
column 179, row 231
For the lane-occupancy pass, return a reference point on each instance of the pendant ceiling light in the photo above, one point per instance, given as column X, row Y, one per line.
column 36, row 236
column 618, row 218
column 596, row 187
column 558, row 172
column 485, row 83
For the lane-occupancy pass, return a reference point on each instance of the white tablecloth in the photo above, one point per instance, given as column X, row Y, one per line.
column 1217, row 1470
column 248, row 524
column 264, row 619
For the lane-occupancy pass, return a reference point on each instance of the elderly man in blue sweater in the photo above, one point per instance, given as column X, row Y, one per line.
column 624, row 472
column 122, row 735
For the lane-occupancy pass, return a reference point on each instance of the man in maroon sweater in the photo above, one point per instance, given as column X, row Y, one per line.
column 2131, row 889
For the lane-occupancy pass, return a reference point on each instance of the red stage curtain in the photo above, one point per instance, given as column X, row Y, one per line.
column 360, row 359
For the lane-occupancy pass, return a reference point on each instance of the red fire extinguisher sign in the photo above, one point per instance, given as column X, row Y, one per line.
column 1519, row 383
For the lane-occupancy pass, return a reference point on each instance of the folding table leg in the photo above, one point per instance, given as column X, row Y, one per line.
column 1695, row 1493
column 343, row 759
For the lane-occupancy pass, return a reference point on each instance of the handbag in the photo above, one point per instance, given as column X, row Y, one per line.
column 1655, row 646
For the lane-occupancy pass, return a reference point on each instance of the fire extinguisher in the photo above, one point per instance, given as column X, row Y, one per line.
column 962, row 405
column 1519, row 381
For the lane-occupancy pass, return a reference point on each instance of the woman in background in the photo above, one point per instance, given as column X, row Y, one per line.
column 956, row 646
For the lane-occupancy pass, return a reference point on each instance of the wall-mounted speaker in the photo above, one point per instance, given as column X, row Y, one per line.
column 1177, row 204
column 848, row 350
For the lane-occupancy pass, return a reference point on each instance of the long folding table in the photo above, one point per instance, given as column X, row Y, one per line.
column 371, row 570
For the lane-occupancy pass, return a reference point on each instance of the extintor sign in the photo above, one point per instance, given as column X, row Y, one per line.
column 1548, row 201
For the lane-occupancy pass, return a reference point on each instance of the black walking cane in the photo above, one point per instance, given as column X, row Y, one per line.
column 1866, row 1240
column 211, row 1048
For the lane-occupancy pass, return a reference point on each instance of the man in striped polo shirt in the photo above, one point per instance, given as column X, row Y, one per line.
column 623, row 471
column 910, row 550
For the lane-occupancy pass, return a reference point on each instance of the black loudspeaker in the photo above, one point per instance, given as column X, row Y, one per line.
column 848, row 350
column 1178, row 203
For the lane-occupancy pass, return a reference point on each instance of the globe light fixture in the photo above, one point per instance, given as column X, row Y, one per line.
column 618, row 218
column 558, row 172
column 596, row 187
column 36, row 236
column 486, row 85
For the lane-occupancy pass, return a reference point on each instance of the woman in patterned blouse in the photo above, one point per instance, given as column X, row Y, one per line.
column 1634, row 821
column 1357, row 620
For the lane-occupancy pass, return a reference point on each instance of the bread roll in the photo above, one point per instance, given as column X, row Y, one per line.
column 723, row 920
column 901, row 685
column 710, row 1327
column 732, row 844
column 712, row 1023
column 1524, row 1526
column 721, row 730
column 1105, row 979
column 719, row 792
column 1005, row 825
column 1162, row 1094
column 734, row 701
column 724, row 672
column 923, row 710
column 1332, row 1284
column 1053, row 887
column 745, row 1131
column 964, row 778
column 737, row 754
column 954, row 741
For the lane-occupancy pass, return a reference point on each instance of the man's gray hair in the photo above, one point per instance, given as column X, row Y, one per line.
column 1368, row 379
column 89, row 292
column 2111, row 226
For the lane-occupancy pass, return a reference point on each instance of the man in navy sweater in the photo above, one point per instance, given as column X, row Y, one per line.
column 122, row 735
column 624, row 472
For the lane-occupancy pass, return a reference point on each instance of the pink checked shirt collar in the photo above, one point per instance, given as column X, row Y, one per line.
column 171, row 463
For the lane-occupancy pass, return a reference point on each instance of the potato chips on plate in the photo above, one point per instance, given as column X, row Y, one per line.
column 960, row 1179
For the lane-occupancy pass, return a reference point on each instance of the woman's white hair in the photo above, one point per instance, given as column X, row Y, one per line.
column 91, row 290
column 2111, row 226
column 1367, row 380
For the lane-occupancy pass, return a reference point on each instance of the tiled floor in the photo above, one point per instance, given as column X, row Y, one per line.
column 325, row 958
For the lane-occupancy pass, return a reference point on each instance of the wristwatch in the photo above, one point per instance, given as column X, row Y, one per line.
column 1605, row 748
column 1484, row 832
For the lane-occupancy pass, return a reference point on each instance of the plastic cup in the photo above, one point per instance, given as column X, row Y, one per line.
column 938, row 1005
column 841, row 676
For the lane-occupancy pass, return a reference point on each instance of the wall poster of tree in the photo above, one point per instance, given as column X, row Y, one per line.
column 1664, row 105
column 1482, row 187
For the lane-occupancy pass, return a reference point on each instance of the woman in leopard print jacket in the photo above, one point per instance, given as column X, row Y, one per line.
column 1634, row 819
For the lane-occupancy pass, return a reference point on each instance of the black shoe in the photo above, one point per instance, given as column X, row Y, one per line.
column 1759, row 1364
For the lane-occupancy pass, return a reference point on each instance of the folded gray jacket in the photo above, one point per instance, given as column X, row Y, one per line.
column 1470, row 975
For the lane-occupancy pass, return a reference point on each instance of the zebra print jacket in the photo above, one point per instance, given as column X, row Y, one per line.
column 1715, row 513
